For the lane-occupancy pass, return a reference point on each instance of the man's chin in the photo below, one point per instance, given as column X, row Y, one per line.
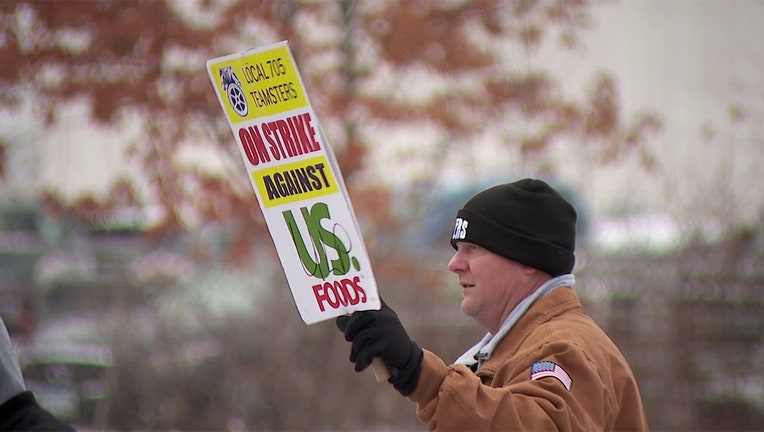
column 467, row 308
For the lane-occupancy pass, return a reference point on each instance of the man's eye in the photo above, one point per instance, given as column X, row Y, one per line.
column 469, row 247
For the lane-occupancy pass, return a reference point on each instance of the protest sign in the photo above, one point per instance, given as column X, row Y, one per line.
column 297, row 182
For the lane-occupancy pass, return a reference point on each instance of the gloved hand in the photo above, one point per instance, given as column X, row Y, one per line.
column 379, row 333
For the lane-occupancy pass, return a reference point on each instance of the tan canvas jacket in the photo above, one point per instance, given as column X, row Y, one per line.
column 502, row 395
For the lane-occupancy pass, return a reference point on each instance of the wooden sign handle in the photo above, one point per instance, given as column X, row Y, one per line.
column 381, row 373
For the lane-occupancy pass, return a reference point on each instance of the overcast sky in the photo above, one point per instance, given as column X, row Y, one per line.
column 690, row 62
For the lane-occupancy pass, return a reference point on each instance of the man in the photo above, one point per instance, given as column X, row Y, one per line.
column 544, row 365
column 19, row 410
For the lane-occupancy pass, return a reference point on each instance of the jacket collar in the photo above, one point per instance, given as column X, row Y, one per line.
column 483, row 350
column 546, row 308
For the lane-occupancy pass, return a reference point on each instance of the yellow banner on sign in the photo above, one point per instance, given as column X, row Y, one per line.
column 293, row 182
column 259, row 85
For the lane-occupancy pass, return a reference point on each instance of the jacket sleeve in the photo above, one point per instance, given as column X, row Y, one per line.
column 455, row 398
column 11, row 380
column 22, row 413
column 19, row 410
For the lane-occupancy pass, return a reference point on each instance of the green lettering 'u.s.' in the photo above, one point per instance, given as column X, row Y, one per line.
column 320, row 237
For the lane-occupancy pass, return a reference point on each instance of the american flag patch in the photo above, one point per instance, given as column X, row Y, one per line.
column 548, row 368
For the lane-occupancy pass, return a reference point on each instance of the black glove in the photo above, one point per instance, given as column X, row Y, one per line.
column 379, row 333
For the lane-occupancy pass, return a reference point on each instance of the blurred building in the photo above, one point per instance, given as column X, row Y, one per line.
column 691, row 323
column 60, row 283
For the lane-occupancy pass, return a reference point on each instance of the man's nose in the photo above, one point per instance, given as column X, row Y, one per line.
column 457, row 263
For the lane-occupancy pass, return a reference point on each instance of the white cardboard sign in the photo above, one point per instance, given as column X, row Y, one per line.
column 297, row 182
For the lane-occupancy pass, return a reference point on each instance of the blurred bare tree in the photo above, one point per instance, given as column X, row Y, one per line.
column 147, row 58
column 362, row 62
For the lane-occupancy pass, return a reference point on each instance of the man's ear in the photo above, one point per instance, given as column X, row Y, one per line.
column 531, row 271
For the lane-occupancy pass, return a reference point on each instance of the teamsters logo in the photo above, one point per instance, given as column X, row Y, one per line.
column 233, row 89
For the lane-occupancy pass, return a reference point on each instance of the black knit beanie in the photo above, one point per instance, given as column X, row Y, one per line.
column 526, row 221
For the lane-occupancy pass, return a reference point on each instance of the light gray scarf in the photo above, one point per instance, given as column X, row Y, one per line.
column 482, row 350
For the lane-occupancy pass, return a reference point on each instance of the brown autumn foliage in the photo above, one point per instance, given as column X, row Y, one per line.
column 123, row 57
column 145, row 60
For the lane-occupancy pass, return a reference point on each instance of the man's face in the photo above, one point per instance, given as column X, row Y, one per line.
column 491, row 284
